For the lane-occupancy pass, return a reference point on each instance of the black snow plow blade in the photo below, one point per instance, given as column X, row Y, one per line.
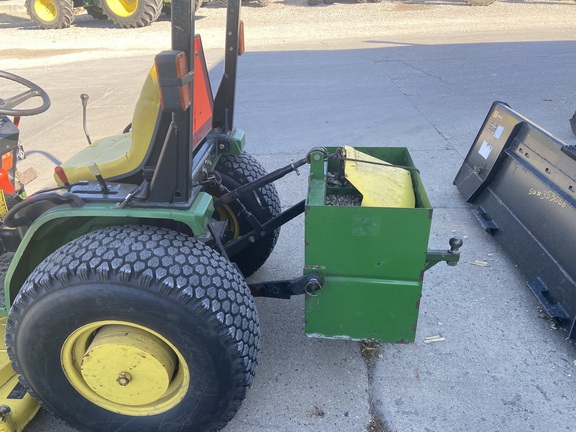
column 522, row 182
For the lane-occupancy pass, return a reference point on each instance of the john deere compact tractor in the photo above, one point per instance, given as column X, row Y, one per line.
column 126, row 305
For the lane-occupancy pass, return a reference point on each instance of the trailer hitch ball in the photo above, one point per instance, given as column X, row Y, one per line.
column 455, row 245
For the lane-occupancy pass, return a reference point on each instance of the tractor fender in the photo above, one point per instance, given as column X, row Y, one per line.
column 64, row 223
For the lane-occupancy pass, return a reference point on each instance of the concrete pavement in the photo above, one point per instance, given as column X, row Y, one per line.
column 12, row 11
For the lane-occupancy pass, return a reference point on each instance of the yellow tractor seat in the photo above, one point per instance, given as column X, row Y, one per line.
column 121, row 155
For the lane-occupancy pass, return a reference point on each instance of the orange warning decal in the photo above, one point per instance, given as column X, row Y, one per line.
column 203, row 100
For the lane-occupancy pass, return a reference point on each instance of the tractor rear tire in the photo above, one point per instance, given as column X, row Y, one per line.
column 51, row 14
column 132, row 13
column 262, row 3
column 264, row 204
column 96, row 13
column 223, row 3
column 135, row 328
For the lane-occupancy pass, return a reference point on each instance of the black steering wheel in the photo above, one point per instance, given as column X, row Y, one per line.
column 7, row 105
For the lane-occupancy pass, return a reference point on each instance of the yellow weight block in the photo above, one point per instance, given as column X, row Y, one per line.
column 380, row 183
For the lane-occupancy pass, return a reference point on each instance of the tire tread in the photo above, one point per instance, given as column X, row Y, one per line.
column 145, row 14
column 167, row 263
column 64, row 17
column 244, row 168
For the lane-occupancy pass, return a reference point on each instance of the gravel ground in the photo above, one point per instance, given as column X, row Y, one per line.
column 284, row 24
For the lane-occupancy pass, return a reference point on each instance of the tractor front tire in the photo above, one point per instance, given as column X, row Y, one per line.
column 264, row 204
column 138, row 329
column 51, row 14
column 132, row 13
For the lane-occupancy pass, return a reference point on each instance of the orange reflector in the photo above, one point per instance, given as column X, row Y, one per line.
column 203, row 101
column 7, row 161
column 5, row 183
column 173, row 80
column 241, row 46
column 181, row 70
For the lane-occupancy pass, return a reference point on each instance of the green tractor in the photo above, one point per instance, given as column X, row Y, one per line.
column 58, row 14
column 126, row 305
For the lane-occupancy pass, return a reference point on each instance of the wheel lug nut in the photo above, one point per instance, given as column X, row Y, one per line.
column 124, row 378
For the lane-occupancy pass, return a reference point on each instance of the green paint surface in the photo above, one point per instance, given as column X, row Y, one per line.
column 372, row 258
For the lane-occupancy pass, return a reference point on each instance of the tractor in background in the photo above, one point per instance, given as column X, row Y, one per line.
column 58, row 14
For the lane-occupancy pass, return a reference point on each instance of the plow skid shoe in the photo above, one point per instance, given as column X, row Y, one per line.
column 522, row 183
column 17, row 407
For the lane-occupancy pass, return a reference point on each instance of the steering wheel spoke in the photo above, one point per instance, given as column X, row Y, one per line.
column 8, row 106
column 17, row 100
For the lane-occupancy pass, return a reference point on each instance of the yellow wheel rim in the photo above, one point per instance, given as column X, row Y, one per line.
column 46, row 10
column 225, row 213
column 122, row 8
column 125, row 368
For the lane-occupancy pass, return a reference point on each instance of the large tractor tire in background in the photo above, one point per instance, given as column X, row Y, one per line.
column 135, row 329
column 51, row 14
column 167, row 8
column 263, row 203
column 132, row 13
column 95, row 12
